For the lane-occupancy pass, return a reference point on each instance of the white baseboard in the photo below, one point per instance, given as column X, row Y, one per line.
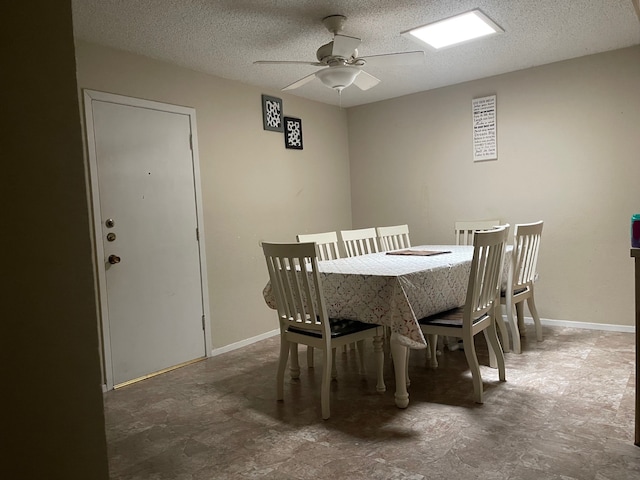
column 528, row 320
column 244, row 343
column 585, row 325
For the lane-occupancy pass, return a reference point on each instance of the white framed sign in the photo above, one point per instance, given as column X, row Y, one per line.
column 485, row 144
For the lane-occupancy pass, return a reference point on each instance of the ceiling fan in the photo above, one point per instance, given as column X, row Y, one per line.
column 343, row 65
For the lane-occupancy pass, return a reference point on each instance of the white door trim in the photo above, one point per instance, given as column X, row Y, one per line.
column 89, row 97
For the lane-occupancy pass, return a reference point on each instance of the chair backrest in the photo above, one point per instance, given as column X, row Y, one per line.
column 464, row 231
column 524, row 258
column 485, row 278
column 359, row 242
column 326, row 244
column 394, row 237
column 295, row 281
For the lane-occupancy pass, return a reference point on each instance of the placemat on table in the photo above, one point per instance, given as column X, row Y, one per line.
column 423, row 253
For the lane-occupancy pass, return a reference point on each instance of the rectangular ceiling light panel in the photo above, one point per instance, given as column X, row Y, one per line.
column 454, row 30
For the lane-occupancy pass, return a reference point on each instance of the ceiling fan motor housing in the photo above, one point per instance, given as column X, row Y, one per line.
column 325, row 55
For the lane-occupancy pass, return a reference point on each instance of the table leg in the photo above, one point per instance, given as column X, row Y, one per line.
column 399, row 354
column 379, row 356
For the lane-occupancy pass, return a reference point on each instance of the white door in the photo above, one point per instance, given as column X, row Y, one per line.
column 148, row 248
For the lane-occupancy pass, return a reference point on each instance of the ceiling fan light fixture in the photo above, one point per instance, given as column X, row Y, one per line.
column 339, row 77
column 454, row 30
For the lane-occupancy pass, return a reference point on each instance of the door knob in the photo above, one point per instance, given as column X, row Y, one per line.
column 113, row 259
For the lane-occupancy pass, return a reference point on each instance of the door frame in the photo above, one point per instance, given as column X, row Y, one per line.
column 103, row 312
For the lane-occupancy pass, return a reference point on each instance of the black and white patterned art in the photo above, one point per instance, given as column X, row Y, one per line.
column 293, row 133
column 272, row 113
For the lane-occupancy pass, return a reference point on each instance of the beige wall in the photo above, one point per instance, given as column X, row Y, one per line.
column 253, row 188
column 52, row 412
column 569, row 154
column 568, row 149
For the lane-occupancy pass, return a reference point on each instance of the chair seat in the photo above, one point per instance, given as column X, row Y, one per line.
column 518, row 291
column 450, row 318
column 339, row 328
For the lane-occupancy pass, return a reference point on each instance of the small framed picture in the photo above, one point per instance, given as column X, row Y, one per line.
column 272, row 113
column 293, row 133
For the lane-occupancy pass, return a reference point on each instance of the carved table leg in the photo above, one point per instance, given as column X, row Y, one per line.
column 399, row 354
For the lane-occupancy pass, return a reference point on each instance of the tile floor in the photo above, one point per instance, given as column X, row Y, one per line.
column 565, row 412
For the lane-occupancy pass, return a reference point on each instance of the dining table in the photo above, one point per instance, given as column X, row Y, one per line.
column 395, row 289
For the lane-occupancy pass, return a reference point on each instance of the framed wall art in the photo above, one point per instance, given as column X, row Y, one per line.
column 272, row 113
column 293, row 133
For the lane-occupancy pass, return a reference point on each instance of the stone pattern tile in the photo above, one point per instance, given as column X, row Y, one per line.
column 565, row 413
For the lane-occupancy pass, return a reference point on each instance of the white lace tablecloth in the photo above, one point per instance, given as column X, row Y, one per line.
column 395, row 290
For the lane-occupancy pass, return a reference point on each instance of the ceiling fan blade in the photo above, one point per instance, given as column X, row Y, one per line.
column 287, row 62
column 365, row 81
column 299, row 83
column 344, row 46
column 395, row 59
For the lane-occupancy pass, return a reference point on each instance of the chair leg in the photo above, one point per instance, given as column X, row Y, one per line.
column 474, row 367
column 433, row 343
column 493, row 359
column 378, row 352
column 334, row 370
column 520, row 314
column 504, row 333
column 387, row 339
column 327, row 368
column 406, row 364
column 536, row 318
column 282, row 366
column 491, row 335
column 451, row 343
column 295, row 365
column 360, row 351
column 513, row 325
column 309, row 357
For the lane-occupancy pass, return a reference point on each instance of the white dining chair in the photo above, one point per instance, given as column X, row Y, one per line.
column 302, row 313
column 359, row 242
column 393, row 237
column 326, row 242
column 520, row 282
column 465, row 230
column 327, row 249
column 480, row 309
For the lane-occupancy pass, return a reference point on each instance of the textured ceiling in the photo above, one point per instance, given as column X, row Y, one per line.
column 225, row 37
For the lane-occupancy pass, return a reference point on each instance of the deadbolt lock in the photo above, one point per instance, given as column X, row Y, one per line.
column 111, row 236
column 109, row 223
